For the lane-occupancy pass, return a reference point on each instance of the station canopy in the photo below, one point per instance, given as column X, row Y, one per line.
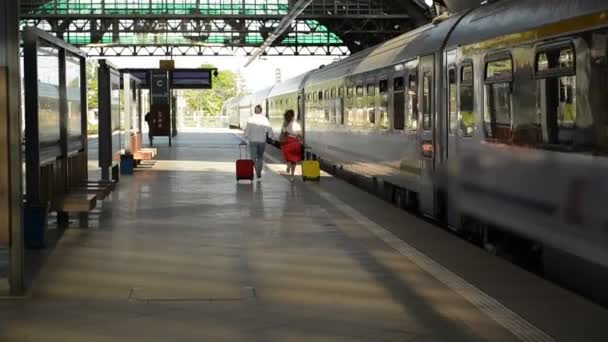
column 222, row 27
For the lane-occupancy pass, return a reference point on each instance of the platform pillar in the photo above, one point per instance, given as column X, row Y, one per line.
column 11, row 231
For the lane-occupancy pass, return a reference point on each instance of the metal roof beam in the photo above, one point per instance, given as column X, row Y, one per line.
column 285, row 23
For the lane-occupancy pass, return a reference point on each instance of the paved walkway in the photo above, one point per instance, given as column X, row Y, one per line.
column 180, row 252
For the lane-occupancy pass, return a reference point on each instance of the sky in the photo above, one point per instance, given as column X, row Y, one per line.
column 258, row 75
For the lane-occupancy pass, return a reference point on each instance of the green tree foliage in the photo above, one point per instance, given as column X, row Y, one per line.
column 92, row 85
column 210, row 101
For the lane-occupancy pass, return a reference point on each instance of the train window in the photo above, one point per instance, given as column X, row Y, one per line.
column 349, row 91
column 370, row 89
column 453, row 97
column 359, row 90
column 556, row 76
column 371, row 104
column 427, row 91
column 498, row 70
column 467, row 116
column 555, row 59
column 413, row 100
column 497, row 115
column 320, row 95
column 383, row 120
column 398, row 83
column 383, row 86
column 340, row 92
column 333, row 93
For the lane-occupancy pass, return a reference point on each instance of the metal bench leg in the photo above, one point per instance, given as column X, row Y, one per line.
column 83, row 220
column 63, row 219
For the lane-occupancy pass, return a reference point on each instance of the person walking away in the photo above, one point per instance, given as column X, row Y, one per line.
column 291, row 135
column 257, row 131
column 148, row 119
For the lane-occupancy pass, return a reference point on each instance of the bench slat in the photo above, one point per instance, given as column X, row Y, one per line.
column 78, row 202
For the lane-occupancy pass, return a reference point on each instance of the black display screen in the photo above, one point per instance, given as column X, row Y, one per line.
column 191, row 79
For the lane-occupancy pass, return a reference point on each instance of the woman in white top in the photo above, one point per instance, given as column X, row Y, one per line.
column 291, row 134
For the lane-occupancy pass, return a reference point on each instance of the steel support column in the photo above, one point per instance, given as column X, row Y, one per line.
column 11, row 231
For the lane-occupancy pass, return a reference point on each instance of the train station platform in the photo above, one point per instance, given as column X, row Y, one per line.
column 181, row 252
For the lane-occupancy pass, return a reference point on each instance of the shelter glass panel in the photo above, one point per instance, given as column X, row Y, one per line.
column 115, row 107
column 73, row 90
column 49, row 109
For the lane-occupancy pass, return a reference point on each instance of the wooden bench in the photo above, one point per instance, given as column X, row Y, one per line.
column 77, row 202
column 100, row 191
column 140, row 153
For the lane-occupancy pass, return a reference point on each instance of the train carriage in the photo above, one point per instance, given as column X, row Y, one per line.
column 504, row 100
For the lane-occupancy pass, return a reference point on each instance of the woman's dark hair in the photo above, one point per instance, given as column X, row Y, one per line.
column 288, row 116
column 258, row 107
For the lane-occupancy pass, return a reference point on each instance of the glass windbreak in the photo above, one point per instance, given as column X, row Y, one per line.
column 75, row 115
column 135, row 107
column 49, row 118
column 115, row 117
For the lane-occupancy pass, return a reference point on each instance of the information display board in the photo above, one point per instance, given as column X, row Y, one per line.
column 159, row 87
column 161, row 103
column 191, row 79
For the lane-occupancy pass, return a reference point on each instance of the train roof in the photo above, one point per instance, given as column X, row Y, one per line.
column 513, row 16
column 424, row 40
column 289, row 86
column 263, row 93
column 245, row 100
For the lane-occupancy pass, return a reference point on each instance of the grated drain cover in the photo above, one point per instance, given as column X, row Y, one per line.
column 138, row 295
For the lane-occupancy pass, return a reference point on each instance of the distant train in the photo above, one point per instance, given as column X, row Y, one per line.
column 508, row 101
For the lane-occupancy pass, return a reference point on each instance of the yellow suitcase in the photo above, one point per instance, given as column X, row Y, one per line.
column 311, row 170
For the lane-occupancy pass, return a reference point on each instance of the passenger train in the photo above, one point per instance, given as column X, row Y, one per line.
column 496, row 117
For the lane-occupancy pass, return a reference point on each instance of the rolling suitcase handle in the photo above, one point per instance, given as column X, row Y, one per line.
column 241, row 145
column 306, row 155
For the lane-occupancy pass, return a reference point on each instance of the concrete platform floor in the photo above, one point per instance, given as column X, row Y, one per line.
column 181, row 252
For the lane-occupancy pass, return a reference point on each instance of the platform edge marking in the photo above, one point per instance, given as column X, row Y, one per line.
column 505, row 317
column 511, row 321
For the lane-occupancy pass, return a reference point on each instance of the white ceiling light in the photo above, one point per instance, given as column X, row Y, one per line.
column 428, row 2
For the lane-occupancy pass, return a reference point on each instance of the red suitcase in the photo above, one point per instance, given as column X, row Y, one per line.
column 244, row 167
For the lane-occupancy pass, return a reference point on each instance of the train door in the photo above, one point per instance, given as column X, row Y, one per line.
column 451, row 105
column 450, row 129
column 426, row 94
column 301, row 111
